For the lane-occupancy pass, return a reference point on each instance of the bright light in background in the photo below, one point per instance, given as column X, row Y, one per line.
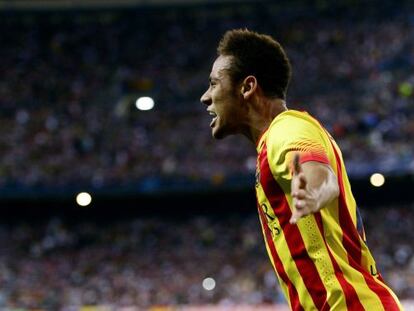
column 377, row 180
column 83, row 199
column 209, row 283
column 144, row 103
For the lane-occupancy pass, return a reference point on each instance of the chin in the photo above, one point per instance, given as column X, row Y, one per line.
column 217, row 134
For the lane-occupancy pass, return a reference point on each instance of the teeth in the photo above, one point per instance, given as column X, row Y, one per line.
column 211, row 113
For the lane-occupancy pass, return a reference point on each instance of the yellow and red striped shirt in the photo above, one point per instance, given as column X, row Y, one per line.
column 322, row 262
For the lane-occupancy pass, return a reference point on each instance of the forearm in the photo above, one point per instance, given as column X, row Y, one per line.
column 314, row 186
column 322, row 184
column 324, row 189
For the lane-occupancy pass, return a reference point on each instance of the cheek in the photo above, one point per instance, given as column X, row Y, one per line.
column 217, row 95
column 225, row 97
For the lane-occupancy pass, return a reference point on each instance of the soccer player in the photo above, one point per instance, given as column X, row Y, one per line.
column 310, row 221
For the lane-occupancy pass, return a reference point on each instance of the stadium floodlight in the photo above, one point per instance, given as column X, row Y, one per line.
column 83, row 199
column 209, row 283
column 377, row 180
column 144, row 103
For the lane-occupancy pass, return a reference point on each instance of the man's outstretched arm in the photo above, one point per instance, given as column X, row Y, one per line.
column 314, row 185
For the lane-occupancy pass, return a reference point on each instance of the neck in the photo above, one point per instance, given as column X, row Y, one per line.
column 261, row 115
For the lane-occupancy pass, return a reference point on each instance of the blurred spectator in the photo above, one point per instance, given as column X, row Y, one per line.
column 152, row 261
column 69, row 80
column 67, row 89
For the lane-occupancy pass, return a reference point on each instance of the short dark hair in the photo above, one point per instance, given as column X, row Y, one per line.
column 259, row 55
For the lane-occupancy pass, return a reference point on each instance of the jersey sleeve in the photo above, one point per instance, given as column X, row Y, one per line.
column 290, row 135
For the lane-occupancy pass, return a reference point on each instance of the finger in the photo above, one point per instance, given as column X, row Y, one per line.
column 296, row 215
column 296, row 164
column 298, row 212
column 299, row 194
column 299, row 204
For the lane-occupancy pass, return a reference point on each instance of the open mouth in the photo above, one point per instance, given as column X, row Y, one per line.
column 214, row 115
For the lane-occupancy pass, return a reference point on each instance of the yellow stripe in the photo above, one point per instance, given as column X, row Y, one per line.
column 285, row 256
column 391, row 293
column 282, row 284
column 367, row 297
column 318, row 251
column 279, row 160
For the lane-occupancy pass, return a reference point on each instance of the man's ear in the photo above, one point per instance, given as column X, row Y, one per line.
column 248, row 87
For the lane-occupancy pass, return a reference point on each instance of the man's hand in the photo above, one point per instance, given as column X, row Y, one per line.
column 303, row 202
column 313, row 186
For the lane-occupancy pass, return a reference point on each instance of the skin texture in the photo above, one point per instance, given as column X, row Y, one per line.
column 242, row 108
column 224, row 101
column 313, row 186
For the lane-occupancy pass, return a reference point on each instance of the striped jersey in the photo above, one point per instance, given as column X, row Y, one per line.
column 322, row 262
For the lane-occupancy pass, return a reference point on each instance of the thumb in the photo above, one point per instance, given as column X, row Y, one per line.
column 297, row 167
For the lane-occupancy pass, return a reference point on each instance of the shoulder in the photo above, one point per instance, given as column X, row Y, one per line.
column 293, row 125
column 296, row 131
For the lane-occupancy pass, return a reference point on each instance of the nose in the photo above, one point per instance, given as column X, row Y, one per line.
column 206, row 98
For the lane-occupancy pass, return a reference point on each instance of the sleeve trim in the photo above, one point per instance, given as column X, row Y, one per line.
column 307, row 157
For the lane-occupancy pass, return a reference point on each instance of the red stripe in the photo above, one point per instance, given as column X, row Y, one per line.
column 306, row 157
column 352, row 244
column 299, row 253
column 293, row 294
column 351, row 297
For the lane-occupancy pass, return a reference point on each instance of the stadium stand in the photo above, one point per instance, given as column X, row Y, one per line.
column 63, row 264
column 70, row 78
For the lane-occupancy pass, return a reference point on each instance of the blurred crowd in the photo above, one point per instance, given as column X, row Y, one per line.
column 60, row 264
column 138, row 262
column 70, row 79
